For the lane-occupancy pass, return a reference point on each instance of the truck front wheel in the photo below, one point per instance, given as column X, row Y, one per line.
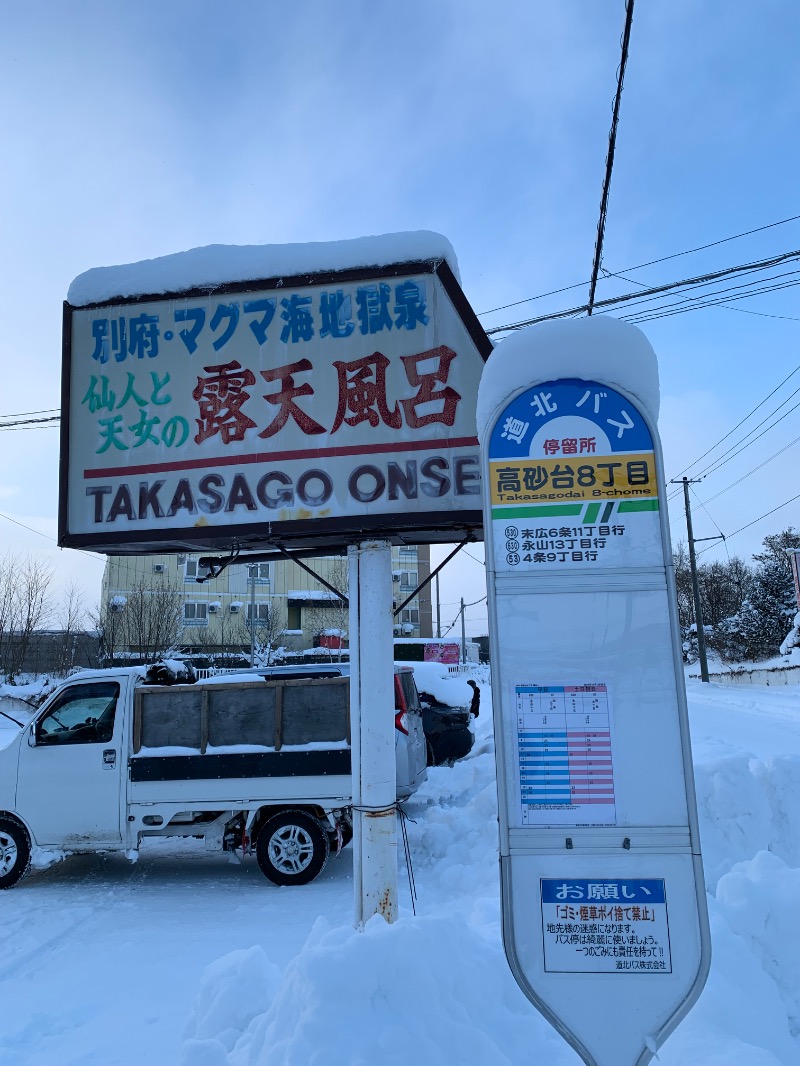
column 292, row 848
column 15, row 852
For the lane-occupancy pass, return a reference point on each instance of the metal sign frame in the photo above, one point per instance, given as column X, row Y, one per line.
column 611, row 847
column 440, row 525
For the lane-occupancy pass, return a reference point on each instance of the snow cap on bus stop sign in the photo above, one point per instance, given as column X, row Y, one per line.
column 598, row 348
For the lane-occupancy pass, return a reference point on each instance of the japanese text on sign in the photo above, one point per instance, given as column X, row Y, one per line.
column 605, row 926
column 378, row 308
column 566, row 774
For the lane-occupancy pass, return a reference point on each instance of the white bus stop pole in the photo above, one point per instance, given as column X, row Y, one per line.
column 372, row 731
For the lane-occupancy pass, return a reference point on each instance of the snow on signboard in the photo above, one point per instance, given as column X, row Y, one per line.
column 213, row 402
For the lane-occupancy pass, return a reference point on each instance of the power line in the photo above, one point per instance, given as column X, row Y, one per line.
column 23, row 423
column 656, row 313
column 614, row 301
column 713, row 522
column 651, row 262
column 754, row 470
column 731, row 454
column 640, row 298
column 755, row 520
column 25, row 414
column 39, row 533
column 741, row 422
column 473, row 604
column 612, row 144
column 730, row 307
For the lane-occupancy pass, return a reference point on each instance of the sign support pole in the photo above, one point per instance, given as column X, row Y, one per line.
column 372, row 732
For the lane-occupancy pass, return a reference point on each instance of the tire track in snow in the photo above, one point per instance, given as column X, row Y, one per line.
column 17, row 967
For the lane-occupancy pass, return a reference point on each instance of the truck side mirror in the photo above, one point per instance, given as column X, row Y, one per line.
column 32, row 735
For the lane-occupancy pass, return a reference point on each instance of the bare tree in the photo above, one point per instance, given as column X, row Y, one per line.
column 71, row 619
column 153, row 619
column 146, row 621
column 266, row 633
column 110, row 626
column 8, row 605
column 330, row 614
column 25, row 605
column 223, row 636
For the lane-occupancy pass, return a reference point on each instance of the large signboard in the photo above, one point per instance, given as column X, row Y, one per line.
column 602, row 887
column 292, row 410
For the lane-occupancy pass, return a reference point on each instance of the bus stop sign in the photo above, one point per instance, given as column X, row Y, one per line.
column 604, row 913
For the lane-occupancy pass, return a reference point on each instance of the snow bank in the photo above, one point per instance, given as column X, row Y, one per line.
column 216, row 264
column 233, row 991
column 599, row 348
column 436, row 988
column 791, row 645
column 426, row 990
column 739, row 1019
column 759, row 901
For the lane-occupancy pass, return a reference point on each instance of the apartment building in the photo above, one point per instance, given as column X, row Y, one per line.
column 289, row 606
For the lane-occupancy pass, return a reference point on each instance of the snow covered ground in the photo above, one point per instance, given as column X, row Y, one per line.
column 187, row 959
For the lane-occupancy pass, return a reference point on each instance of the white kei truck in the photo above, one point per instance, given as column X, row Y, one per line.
column 250, row 764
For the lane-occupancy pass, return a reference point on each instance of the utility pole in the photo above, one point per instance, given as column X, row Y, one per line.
column 698, row 611
column 463, row 634
column 252, row 570
column 438, row 612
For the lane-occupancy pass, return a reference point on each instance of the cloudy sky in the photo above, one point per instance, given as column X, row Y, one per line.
column 131, row 130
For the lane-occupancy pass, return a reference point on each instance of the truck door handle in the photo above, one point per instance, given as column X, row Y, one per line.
column 109, row 758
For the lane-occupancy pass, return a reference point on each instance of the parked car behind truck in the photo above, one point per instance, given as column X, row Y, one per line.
column 261, row 765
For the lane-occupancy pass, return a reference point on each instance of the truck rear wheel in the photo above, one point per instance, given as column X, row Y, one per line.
column 292, row 848
column 15, row 852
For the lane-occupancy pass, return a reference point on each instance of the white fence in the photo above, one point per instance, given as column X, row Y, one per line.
column 777, row 677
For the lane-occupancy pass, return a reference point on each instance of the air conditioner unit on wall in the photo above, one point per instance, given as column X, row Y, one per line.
column 213, row 608
column 159, row 568
column 236, row 608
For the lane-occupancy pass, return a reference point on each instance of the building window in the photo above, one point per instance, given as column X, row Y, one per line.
column 293, row 618
column 194, row 570
column 408, row 551
column 258, row 573
column 261, row 613
column 410, row 614
column 195, row 614
column 409, row 579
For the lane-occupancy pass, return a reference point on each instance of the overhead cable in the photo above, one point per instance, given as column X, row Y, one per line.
column 731, row 453
column 740, row 422
column 641, row 266
column 614, row 301
column 612, row 144
column 754, row 470
column 755, row 520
